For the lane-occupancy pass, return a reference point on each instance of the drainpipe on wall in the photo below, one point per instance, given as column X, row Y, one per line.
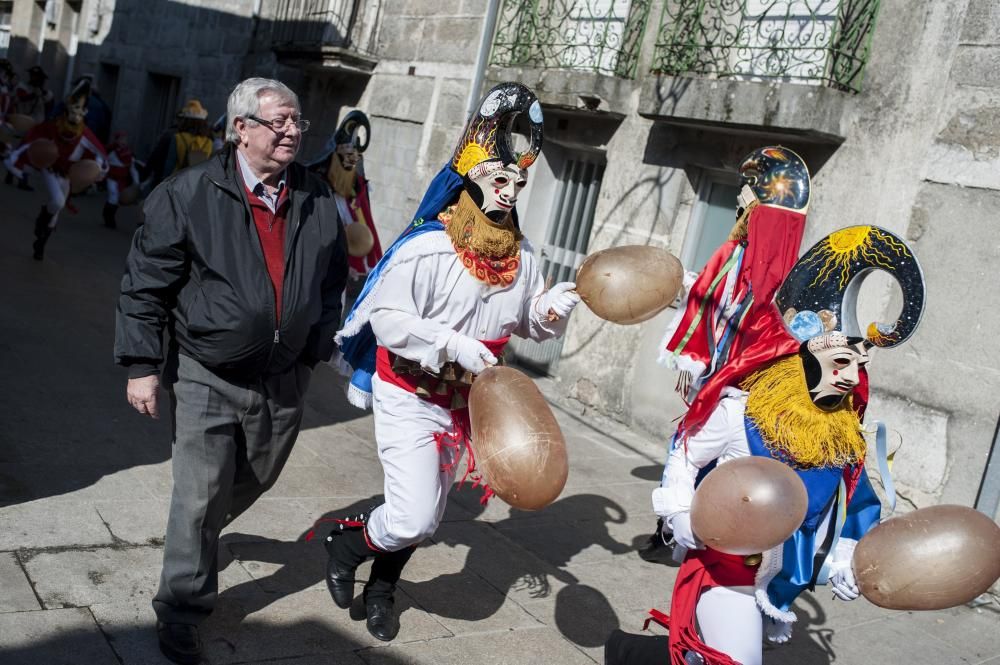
column 74, row 42
column 482, row 59
column 988, row 497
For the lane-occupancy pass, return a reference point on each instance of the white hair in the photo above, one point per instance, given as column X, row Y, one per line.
column 244, row 101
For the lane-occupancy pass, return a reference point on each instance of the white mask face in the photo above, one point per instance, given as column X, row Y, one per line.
column 838, row 374
column 495, row 188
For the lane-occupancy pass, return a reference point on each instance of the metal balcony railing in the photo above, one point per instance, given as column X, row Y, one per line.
column 303, row 25
column 600, row 36
column 823, row 42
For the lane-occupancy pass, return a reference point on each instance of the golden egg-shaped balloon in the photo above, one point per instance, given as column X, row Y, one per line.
column 517, row 442
column 21, row 123
column 929, row 559
column 42, row 153
column 359, row 239
column 629, row 284
column 83, row 174
column 748, row 505
column 129, row 196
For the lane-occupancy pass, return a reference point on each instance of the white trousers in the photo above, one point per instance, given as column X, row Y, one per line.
column 417, row 475
column 58, row 189
column 729, row 621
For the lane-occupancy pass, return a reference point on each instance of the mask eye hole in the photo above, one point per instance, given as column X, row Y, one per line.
column 500, row 180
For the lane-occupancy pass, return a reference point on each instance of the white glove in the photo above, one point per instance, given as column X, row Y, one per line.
column 559, row 301
column 842, row 581
column 469, row 353
column 680, row 525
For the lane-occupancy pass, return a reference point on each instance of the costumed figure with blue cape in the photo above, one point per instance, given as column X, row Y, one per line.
column 437, row 310
column 794, row 388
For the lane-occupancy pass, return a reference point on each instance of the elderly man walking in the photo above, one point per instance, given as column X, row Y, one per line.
column 242, row 260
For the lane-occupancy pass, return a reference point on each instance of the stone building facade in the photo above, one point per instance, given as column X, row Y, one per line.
column 650, row 104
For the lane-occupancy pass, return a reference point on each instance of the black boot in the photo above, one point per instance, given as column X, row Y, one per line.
column 381, row 617
column 348, row 548
column 109, row 215
column 42, row 233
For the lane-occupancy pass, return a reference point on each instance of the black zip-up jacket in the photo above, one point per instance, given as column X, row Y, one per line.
column 196, row 268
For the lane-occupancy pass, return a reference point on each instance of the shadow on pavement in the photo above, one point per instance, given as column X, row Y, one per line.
column 65, row 423
column 305, row 641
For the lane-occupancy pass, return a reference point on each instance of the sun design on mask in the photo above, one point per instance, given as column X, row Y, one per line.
column 478, row 146
column 866, row 245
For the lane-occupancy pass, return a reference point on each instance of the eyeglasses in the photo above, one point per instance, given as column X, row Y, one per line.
column 281, row 124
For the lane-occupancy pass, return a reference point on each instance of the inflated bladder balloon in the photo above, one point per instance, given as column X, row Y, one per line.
column 629, row 284
column 129, row 195
column 930, row 559
column 83, row 174
column 42, row 153
column 748, row 505
column 359, row 239
column 21, row 123
column 516, row 439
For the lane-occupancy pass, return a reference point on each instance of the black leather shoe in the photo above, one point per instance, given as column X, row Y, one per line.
column 340, row 582
column 179, row 642
column 382, row 621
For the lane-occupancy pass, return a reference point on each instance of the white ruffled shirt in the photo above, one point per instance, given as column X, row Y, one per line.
column 723, row 437
column 426, row 295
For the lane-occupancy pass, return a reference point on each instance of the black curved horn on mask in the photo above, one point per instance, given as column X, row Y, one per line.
column 820, row 293
column 488, row 132
column 348, row 130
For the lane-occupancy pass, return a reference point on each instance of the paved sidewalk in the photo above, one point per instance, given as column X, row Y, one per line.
column 84, row 490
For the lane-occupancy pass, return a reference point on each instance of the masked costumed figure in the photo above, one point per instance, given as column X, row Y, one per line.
column 739, row 278
column 121, row 175
column 342, row 166
column 798, row 397
column 436, row 310
column 74, row 142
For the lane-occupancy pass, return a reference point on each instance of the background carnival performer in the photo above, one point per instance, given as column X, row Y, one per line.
column 740, row 277
column 121, row 175
column 343, row 167
column 74, row 142
column 31, row 97
column 247, row 246
column 800, row 400
column 438, row 309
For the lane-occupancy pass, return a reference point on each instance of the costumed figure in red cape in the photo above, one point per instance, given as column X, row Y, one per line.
column 437, row 310
column 122, row 174
column 342, row 164
column 74, row 142
column 794, row 388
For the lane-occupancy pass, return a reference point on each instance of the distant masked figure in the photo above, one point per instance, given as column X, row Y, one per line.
column 343, row 166
column 52, row 148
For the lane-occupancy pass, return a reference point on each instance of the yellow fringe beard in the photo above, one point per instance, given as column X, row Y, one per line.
column 470, row 228
column 341, row 179
column 793, row 427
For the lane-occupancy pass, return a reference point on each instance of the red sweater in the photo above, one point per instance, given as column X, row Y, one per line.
column 271, row 231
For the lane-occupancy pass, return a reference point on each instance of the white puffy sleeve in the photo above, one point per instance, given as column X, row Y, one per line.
column 720, row 434
column 399, row 309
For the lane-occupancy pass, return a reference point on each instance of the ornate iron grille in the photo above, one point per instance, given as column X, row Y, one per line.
column 348, row 24
column 602, row 36
column 798, row 41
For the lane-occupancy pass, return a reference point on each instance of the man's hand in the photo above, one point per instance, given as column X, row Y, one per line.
column 470, row 353
column 141, row 393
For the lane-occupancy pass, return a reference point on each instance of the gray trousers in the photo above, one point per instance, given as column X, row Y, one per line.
column 230, row 442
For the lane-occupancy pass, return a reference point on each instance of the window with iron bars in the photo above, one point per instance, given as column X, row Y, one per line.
column 602, row 36
column 823, row 42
